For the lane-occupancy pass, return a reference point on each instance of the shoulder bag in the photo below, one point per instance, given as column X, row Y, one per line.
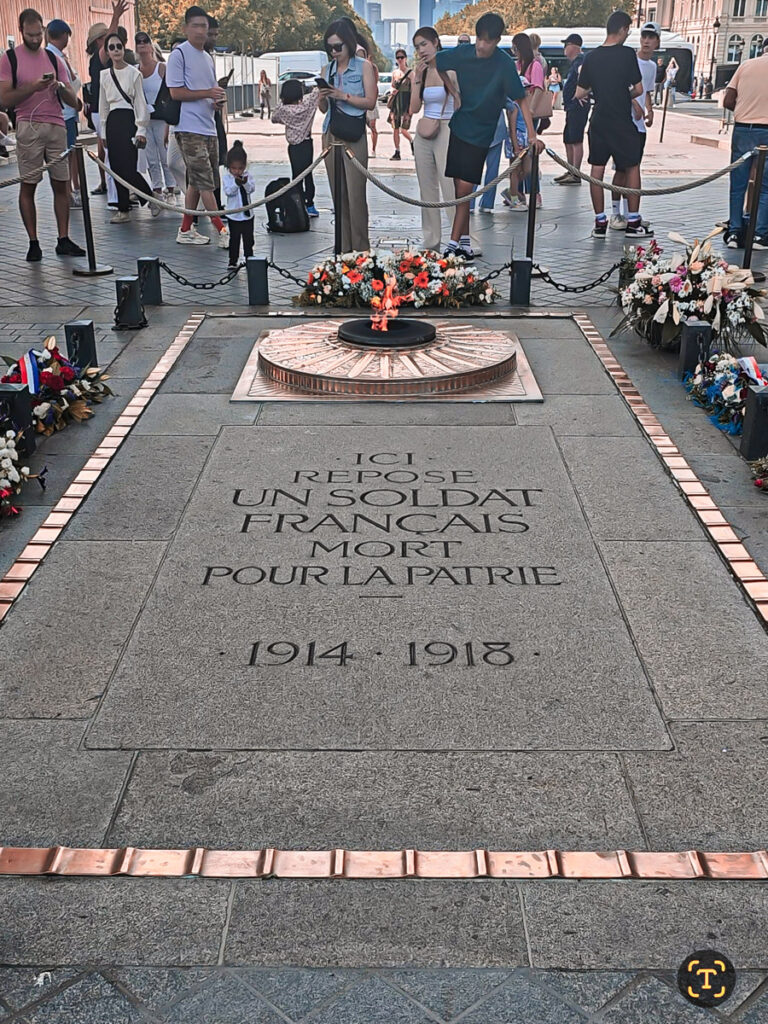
column 540, row 102
column 428, row 127
column 347, row 127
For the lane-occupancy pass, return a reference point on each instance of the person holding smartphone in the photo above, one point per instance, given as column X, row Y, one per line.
column 296, row 110
column 36, row 86
column 124, row 116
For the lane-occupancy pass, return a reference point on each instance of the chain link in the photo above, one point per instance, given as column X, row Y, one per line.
column 544, row 275
column 496, row 273
column 202, row 285
column 122, row 302
column 287, row 274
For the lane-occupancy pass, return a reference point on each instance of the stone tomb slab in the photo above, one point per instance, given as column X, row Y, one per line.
column 427, row 588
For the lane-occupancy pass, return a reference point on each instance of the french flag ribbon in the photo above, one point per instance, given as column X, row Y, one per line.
column 30, row 375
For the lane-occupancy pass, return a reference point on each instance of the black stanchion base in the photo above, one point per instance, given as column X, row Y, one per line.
column 759, row 276
column 98, row 271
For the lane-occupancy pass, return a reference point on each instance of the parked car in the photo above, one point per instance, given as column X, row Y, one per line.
column 385, row 84
column 307, row 78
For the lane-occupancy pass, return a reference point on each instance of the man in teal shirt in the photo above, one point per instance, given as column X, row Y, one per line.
column 487, row 77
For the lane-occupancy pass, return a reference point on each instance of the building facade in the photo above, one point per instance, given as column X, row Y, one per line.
column 723, row 32
column 78, row 14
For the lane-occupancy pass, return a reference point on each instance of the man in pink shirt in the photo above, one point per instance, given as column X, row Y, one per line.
column 36, row 88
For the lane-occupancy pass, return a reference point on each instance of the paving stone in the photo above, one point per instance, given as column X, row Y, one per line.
column 575, row 415
column 448, row 994
column 141, row 921
column 585, row 925
column 125, row 507
column 571, row 369
column 373, row 1001
column 193, row 414
column 418, row 923
column 387, row 413
column 83, row 439
column 553, row 629
column 757, row 1011
column 51, row 792
column 20, row 985
column 156, row 987
column 18, row 531
column 695, row 674
column 653, row 1002
column 96, row 589
column 728, row 480
column 297, row 992
column 625, row 492
column 212, row 365
column 92, row 999
column 588, row 990
column 375, row 800
column 520, row 1002
column 138, row 357
column 225, row 1001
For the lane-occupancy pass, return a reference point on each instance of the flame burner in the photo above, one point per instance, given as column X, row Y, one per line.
column 400, row 333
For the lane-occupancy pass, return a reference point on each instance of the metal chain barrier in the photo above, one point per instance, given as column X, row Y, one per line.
column 203, row 286
column 670, row 191
column 209, row 213
column 496, row 273
column 57, row 159
column 544, row 275
column 287, row 274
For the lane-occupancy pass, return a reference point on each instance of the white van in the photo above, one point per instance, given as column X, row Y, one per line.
column 311, row 62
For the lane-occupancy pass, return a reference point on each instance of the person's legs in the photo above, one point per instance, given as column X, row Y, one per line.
column 176, row 163
column 154, row 145
column 300, row 155
column 374, row 137
column 741, row 143
column 760, row 138
column 61, row 206
column 122, row 161
column 492, row 163
column 632, row 180
column 429, row 189
column 235, row 231
column 355, row 224
column 27, row 209
column 396, row 136
column 596, row 193
column 247, row 235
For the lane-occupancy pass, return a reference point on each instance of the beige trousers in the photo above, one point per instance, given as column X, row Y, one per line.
column 349, row 195
column 430, row 155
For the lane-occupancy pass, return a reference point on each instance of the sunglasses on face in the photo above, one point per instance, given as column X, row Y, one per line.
column 335, row 47
column 401, row 56
column 115, row 46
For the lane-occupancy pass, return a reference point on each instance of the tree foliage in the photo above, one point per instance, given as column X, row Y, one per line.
column 260, row 25
column 534, row 13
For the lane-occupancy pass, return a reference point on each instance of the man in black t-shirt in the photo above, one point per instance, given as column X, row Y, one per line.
column 611, row 73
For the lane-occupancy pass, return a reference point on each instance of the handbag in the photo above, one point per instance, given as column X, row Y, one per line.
column 428, row 127
column 165, row 107
column 347, row 127
column 540, row 102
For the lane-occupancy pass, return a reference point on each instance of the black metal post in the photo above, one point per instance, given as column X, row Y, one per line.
column 258, row 281
column 338, row 194
column 534, row 176
column 93, row 269
column 20, row 403
column 81, row 343
column 754, row 203
column 520, row 282
column 695, row 342
column 664, row 113
column 149, row 280
column 128, row 315
column 754, row 437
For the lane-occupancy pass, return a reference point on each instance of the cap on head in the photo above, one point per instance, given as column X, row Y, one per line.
column 58, row 28
column 573, row 38
column 651, row 27
column 96, row 32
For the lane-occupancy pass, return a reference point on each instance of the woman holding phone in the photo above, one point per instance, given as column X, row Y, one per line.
column 123, row 116
column 350, row 93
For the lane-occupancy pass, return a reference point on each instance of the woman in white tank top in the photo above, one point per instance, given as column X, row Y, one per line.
column 439, row 95
column 152, row 76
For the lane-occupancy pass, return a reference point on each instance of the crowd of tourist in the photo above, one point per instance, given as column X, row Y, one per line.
column 161, row 124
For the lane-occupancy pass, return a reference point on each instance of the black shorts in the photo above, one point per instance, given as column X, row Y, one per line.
column 465, row 161
column 622, row 143
column 575, row 124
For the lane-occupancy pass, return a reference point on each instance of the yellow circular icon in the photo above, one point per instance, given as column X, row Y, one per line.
column 706, row 978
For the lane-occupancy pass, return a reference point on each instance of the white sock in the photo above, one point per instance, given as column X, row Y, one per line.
column 616, row 203
column 624, row 207
column 452, row 245
column 465, row 242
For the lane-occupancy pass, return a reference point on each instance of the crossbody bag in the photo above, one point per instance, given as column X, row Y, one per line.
column 348, row 127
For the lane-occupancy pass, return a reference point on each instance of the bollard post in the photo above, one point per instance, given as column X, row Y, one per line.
column 664, row 115
column 754, row 437
column 258, row 281
column 338, row 174
column 520, row 283
column 534, row 176
column 754, row 204
column 81, row 343
column 128, row 314
column 150, row 286
column 695, row 343
column 93, row 269
column 20, row 404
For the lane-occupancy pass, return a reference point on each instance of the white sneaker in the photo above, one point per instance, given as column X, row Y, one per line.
column 120, row 218
column 223, row 240
column 154, row 209
column 191, row 237
column 617, row 222
column 75, row 200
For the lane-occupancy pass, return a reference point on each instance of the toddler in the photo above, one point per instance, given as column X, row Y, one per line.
column 238, row 187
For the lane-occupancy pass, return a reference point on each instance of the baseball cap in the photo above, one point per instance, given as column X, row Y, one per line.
column 574, row 38
column 58, row 27
column 651, row 26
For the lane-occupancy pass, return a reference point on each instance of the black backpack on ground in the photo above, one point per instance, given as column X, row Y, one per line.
column 287, row 214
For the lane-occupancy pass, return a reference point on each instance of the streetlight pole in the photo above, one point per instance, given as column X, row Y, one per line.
column 716, row 29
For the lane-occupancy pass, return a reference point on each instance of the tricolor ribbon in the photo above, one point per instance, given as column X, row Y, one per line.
column 30, row 375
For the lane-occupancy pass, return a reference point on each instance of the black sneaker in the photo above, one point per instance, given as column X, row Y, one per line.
column 462, row 254
column 637, row 229
column 34, row 253
column 3, row 152
column 66, row 247
column 100, row 191
column 395, row 155
column 760, row 242
column 449, row 252
column 600, row 230
column 733, row 240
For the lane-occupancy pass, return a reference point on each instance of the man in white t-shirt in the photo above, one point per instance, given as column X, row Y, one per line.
column 642, row 110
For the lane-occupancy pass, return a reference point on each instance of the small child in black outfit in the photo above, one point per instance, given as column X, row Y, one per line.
column 297, row 112
column 238, row 187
